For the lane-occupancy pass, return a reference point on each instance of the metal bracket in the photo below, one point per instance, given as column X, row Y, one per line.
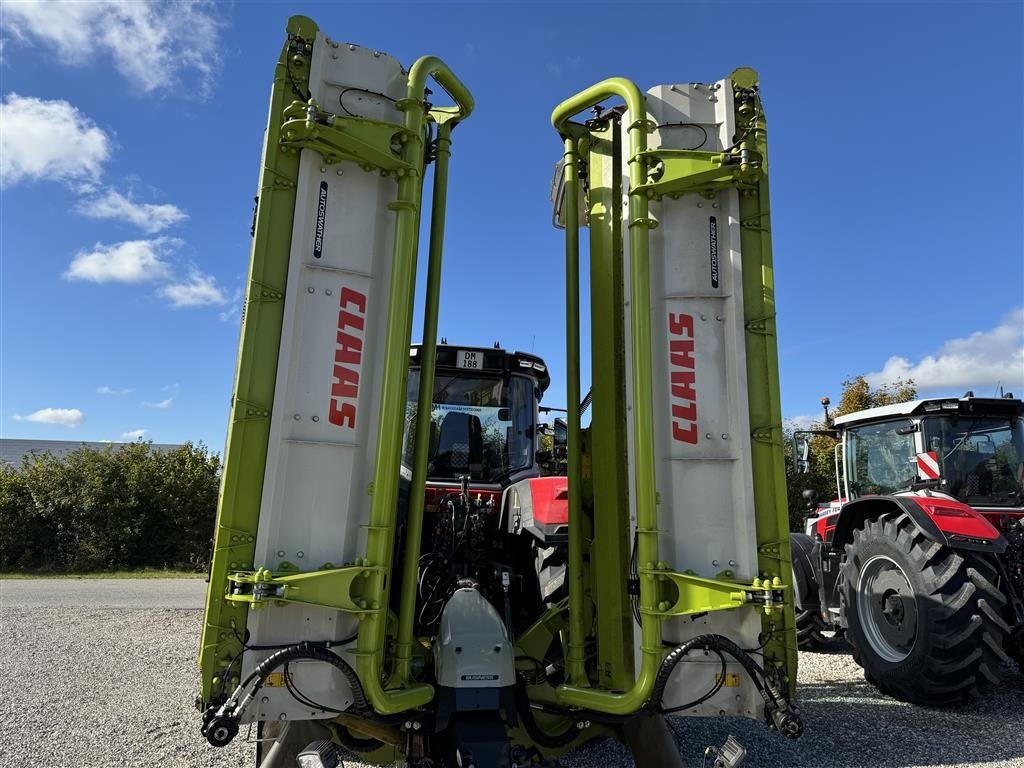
column 762, row 325
column 278, row 181
column 766, row 434
column 251, row 410
column 261, row 292
column 694, row 594
column 674, row 172
column 337, row 588
column 758, row 222
column 368, row 143
column 233, row 538
column 771, row 549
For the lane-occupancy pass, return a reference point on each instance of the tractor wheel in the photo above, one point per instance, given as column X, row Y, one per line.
column 809, row 621
column 550, row 564
column 809, row 626
column 923, row 620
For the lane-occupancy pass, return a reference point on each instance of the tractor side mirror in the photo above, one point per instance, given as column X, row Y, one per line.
column 810, row 496
column 802, row 455
column 561, row 432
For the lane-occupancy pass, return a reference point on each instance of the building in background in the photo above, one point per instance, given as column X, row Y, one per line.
column 12, row 451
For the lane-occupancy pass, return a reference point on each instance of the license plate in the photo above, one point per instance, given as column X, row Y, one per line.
column 469, row 359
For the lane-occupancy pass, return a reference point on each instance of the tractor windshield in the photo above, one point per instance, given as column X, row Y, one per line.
column 480, row 426
column 981, row 459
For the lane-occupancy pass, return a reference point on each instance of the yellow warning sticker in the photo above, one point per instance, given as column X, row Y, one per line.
column 275, row 680
column 732, row 680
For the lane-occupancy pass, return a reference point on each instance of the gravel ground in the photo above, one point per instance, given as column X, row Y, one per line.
column 101, row 674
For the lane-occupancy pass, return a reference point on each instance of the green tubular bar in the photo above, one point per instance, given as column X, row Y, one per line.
column 428, row 361
column 774, row 556
column 255, row 373
column 576, row 656
column 574, row 694
column 380, row 531
column 605, row 442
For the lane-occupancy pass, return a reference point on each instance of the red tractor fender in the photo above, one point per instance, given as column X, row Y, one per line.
column 942, row 520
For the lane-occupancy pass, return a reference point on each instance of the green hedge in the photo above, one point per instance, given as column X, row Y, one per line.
column 111, row 509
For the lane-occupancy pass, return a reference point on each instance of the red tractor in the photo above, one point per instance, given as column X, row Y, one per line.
column 483, row 447
column 921, row 562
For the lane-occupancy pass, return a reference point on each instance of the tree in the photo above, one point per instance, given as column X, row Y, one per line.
column 109, row 509
column 857, row 395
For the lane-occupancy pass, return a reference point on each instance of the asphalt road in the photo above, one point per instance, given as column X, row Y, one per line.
column 102, row 674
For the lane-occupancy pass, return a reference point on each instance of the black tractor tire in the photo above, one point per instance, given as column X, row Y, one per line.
column 550, row 564
column 923, row 620
column 809, row 621
column 809, row 628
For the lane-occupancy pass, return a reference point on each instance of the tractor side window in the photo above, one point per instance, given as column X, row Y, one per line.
column 880, row 459
column 520, row 436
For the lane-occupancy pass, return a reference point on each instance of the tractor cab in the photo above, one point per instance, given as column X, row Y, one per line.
column 484, row 419
column 969, row 448
column 980, row 456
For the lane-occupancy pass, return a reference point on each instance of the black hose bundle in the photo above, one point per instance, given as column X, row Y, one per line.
column 315, row 652
column 220, row 724
column 715, row 643
column 778, row 711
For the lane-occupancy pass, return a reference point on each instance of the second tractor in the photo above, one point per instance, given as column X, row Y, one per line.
column 920, row 562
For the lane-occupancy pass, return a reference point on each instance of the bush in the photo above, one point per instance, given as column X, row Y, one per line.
column 116, row 508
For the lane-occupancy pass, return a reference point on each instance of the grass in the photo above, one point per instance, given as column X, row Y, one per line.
column 142, row 573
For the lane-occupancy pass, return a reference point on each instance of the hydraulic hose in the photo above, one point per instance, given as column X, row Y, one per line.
column 533, row 729
column 779, row 712
column 220, row 725
column 306, row 650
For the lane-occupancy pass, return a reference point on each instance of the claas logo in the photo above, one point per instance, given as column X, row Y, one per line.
column 683, row 378
column 348, row 358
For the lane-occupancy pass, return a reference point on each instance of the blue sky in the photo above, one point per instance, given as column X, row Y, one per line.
column 131, row 147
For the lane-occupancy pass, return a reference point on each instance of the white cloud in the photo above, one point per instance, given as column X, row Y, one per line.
column 148, row 217
column 200, row 290
column 105, row 390
column 163, row 404
column 65, row 417
column 155, row 45
column 50, row 140
column 133, row 435
column 131, row 261
column 981, row 360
